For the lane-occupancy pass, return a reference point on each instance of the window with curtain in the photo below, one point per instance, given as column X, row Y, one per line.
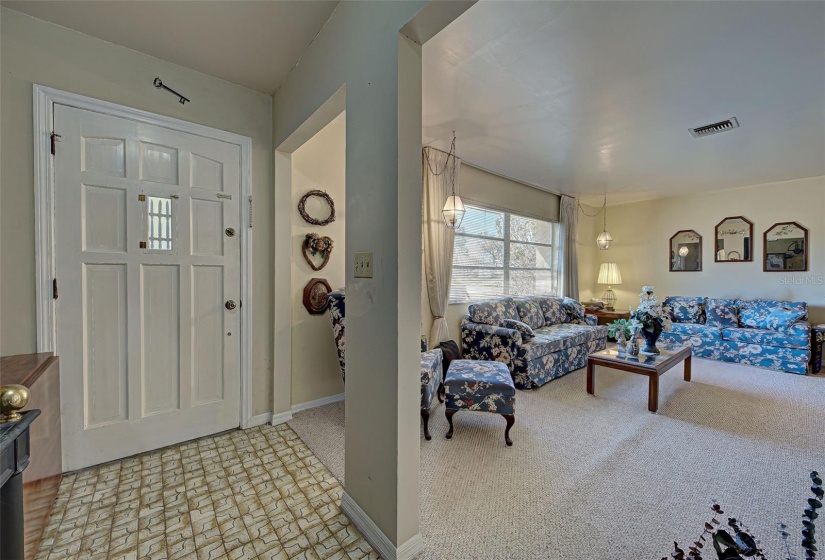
column 498, row 253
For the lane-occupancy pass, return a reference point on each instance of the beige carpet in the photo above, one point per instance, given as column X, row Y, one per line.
column 600, row 477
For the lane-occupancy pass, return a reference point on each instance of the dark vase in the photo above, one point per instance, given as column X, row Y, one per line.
column 651, row 336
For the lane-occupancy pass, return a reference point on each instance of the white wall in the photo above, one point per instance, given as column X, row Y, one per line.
column 641, row 232
column 318, row 164
column 493, row 191
column 36, row 52
column 359, row 48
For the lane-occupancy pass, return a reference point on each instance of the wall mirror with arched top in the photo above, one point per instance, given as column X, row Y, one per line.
column 734, row 240
column 785, row 248
column 686, row 251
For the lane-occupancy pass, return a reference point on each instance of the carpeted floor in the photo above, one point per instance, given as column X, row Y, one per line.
column 600, row 477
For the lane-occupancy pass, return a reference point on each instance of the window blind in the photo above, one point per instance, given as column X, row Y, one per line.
column 498, row 253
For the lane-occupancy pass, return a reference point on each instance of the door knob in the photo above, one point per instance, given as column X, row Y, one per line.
column 230, row 305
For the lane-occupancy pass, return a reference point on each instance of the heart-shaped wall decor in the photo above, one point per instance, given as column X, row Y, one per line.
column 315, row 245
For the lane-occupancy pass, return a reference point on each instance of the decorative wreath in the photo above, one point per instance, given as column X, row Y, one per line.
column 314, row 221
column 314, row 244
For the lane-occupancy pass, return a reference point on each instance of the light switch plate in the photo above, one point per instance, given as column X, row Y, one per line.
column 363, row 264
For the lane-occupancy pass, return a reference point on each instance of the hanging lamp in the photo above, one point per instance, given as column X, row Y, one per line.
column 453, row 211
column 604, row 239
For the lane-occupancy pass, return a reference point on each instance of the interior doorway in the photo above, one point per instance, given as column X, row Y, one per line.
column 311, row 160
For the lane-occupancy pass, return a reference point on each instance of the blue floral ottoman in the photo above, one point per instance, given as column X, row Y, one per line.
column 484, row 386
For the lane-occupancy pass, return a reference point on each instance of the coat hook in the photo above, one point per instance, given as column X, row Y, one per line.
column 159, row 84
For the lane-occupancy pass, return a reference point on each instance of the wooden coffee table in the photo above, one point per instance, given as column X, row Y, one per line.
column 651, row 366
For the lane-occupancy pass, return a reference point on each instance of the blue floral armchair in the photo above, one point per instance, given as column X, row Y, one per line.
column 431, row 360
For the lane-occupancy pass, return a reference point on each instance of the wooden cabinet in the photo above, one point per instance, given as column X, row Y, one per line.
column 41, row 479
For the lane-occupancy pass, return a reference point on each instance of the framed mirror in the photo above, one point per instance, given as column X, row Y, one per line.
column 686, row 251
column 734, row 240
column 786, row 248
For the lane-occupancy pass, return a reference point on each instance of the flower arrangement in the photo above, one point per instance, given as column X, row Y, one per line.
column 653, row 317
column 739, row 544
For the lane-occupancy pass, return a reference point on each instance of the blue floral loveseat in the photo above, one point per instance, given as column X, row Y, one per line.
column 764, row 333
column 539, row 338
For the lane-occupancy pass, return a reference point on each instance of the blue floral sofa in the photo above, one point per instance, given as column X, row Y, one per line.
column 538, row 338
column 764, row 333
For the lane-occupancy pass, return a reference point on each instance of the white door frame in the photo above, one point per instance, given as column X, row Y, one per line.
column 44, row 99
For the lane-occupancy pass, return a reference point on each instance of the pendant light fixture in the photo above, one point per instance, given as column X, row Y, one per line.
column 453, row 210
column 604, row 239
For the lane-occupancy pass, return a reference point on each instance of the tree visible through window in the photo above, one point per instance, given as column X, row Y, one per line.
column 498, row 253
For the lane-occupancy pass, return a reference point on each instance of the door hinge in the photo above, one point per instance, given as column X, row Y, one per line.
column 54, row 288
column 250, row 211
column 54, row 140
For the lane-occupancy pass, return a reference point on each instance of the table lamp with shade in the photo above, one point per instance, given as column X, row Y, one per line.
column 609, row 274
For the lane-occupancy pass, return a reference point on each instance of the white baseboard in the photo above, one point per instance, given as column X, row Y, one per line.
column 379, row 541
column 318, row 402
column 258, row 420
column 281, row 417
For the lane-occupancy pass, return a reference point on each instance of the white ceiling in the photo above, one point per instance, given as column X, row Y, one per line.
column 253, row 44
column 585, row 98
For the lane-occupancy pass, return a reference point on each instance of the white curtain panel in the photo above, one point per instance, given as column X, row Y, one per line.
column 569, row 219
column 438, row 239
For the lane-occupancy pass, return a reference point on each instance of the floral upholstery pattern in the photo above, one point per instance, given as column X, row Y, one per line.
column 769, row 333
column 769, row 304
column 776, row 319
column 336, row 316
column 591, row 320
column 722, row 313
column 557, row 337
column 686, row 309
column 487, row 342
column 481, row 386
column 493, row 312
column 694, row 329
column 529, row 311
column 562, row 337
column 765, row 337
column 431, row 362
column 553, row 310
column 792, row 360
column 574, row 309
column 535, row 373
column 526, row 331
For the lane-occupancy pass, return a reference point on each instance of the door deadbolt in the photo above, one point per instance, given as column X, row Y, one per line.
column 230, row 305
column 230, row 232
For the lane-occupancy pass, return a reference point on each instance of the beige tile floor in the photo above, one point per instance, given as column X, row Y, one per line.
column 246, row 494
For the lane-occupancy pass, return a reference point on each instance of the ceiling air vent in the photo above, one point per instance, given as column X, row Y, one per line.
column 708, row 129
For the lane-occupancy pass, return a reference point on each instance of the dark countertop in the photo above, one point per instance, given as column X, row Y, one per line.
column 9, row 431
column 24, row 369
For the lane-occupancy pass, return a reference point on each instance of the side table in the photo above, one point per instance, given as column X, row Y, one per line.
column 817, row 347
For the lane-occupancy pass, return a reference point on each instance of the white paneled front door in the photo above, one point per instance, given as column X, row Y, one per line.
column 148, row 270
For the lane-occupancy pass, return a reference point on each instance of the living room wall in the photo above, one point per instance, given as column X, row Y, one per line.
column 641, row 232
column 493, row 191
column 318, row 164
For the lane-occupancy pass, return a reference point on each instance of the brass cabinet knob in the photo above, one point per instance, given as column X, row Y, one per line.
column 12, row 399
